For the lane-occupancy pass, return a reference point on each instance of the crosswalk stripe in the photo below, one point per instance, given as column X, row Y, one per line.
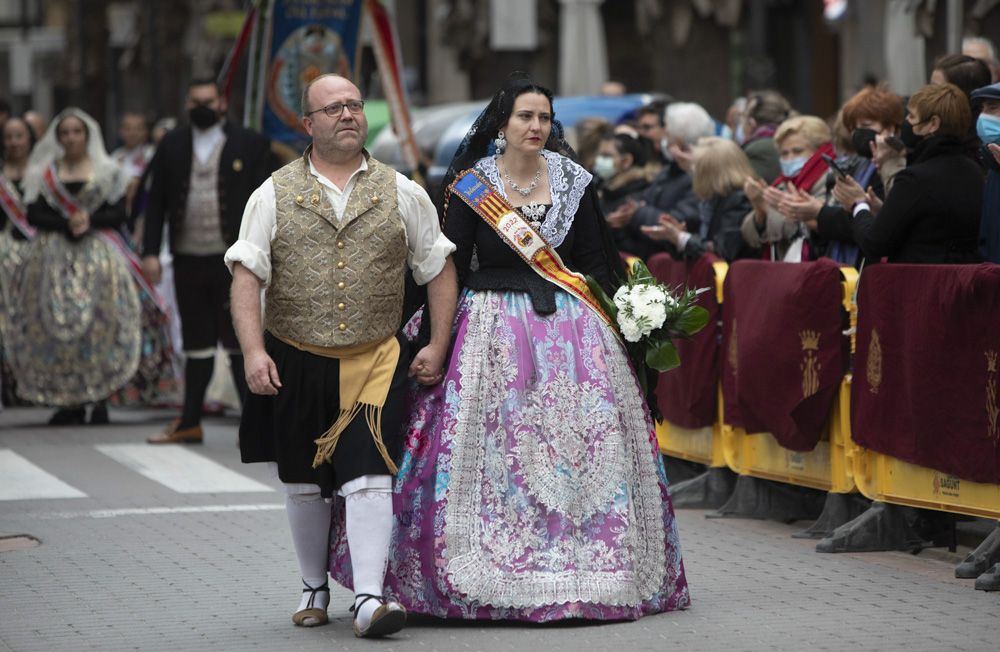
column 22, row 480
column 180, row 469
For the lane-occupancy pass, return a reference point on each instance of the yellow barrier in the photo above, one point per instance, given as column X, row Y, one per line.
column 702, row 445
column 890, row 480
column 837, row 464
column 825, row 467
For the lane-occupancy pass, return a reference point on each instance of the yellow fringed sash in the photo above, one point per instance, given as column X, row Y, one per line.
column 366, row 373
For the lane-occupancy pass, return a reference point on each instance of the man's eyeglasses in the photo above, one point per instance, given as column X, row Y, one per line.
column 336, row 109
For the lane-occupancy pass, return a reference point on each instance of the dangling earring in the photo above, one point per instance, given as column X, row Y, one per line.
column 500, row 142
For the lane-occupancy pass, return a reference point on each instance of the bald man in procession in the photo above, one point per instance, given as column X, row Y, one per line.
column 328, row 238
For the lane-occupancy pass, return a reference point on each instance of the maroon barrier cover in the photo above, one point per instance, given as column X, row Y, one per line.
column 926, row 376
column 686, row 395
column 783, row 348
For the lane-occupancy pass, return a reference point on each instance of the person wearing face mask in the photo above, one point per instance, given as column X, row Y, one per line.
column 202, row 176
column 987, row 100
column 932, row 212
column 622, row 169
column 670, row 192
column 621, row 165
column 872, row 112
column 802, row 142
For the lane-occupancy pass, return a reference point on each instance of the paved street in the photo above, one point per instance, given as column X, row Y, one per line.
column 183, row 548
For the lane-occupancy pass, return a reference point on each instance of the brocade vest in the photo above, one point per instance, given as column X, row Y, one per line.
column 336, row 283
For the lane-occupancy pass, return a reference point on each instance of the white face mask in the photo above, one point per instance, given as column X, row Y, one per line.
column 792, row 166
column 604, row 167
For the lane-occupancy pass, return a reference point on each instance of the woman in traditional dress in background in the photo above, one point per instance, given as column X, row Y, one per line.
column 531, row 487
column 75, row 332
column 15, row 231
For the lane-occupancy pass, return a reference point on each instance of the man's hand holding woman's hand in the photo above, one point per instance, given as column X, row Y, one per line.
column 428, row 365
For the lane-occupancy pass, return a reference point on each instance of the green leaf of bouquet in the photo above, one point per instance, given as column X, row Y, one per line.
column 692, row 320
column 640, row 273
column 662, row 355
column 606, row 302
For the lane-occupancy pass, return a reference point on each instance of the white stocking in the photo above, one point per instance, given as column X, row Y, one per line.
column 309, row 518
column 369, row 529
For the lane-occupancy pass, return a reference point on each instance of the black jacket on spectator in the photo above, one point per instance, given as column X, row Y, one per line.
column 834, row 222
column 723, row 216
column 628, row 184
column 932, row 213
column 671, row 193
column 245, row 163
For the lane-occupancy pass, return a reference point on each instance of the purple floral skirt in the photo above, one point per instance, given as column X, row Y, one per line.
column 531, row 487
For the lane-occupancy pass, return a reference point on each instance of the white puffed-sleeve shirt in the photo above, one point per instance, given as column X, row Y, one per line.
column 427, row 246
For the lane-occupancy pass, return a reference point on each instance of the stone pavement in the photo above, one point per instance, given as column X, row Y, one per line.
column 140, row 561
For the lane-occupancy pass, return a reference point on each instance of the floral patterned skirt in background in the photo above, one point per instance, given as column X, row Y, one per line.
column 73, row 333
column 155, row 381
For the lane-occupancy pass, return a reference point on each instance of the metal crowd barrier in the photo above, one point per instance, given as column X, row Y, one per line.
column 837, row 464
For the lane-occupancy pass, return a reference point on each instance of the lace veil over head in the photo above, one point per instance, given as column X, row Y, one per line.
column 478, row 143
column 108, row 179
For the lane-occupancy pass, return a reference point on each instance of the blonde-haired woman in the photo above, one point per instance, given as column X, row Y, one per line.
column 720, row 168
column 801, row 141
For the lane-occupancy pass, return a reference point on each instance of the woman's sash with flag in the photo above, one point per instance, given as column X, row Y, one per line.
column 67, row 204
column 12, row 205
column 522, row 238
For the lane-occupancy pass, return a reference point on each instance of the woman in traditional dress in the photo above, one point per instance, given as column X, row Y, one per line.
column 15, row 231
column 531, row 487
column 75, row 330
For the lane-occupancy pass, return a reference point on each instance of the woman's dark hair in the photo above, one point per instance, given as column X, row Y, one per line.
column 626, row 144
column 967, row 73
column 768, row 107
column 86, row 129
column 32, row 137
column 479, row 141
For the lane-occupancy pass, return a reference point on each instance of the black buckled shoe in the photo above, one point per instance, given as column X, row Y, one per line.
column 389, row 617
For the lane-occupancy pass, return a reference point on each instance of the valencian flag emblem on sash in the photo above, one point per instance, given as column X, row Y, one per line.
column 513, row 229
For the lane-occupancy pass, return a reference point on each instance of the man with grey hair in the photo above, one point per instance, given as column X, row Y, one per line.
column 670, row 192
column 327, row 239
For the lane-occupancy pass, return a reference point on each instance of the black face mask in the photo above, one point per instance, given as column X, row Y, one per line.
column 862, row 137
column 202, row 116
column 910, row 139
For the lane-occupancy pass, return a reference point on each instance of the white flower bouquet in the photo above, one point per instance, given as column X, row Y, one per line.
column 651, row 316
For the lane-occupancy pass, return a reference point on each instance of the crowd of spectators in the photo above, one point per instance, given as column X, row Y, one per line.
column 887, row 179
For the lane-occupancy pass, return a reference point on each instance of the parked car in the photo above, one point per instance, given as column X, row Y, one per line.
column 428, row 125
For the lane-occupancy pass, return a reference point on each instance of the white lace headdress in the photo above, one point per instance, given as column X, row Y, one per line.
column 108, row 180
